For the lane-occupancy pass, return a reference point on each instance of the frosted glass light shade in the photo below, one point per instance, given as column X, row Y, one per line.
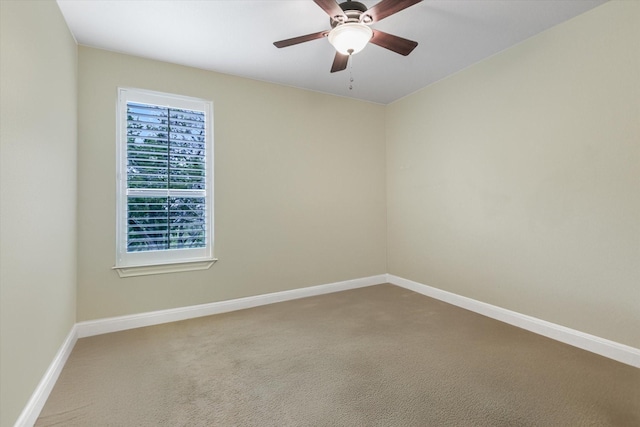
column 350, row 38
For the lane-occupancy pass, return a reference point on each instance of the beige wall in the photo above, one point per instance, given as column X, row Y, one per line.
column 37, row 195
column 517, row 181
column 299, row 188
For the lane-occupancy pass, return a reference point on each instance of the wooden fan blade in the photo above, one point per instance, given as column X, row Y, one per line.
column 388, row 7
column 393, row 43
column 300, row 39
column 331, row 8
column 339, row 62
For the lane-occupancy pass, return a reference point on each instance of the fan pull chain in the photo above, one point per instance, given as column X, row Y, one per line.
column 351, row 73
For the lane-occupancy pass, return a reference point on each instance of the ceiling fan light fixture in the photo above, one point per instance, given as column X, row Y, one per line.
column 350, row 38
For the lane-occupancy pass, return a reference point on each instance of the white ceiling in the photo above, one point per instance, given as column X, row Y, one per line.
column 236, row 37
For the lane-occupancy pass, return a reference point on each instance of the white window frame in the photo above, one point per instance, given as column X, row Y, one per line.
column 171, row 260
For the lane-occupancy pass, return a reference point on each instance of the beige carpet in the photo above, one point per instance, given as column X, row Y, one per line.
column 377, row 356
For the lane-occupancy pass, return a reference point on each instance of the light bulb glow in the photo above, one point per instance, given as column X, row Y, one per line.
column 350, row 38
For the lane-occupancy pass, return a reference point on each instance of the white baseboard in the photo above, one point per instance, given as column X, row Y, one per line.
column 40, row 395
column 611, row 349
column 121, row 323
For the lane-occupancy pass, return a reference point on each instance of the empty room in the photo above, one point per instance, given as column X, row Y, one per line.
column 320, row 213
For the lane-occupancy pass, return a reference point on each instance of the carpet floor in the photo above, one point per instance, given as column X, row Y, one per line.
column 375, row 356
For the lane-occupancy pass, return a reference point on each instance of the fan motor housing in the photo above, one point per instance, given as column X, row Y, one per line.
column 355, row 12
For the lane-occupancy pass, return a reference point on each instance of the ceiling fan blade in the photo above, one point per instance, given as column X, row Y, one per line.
column 300, row 39
column 393, row 43
column 339, row 62
column 331, row 8
column 388, row 7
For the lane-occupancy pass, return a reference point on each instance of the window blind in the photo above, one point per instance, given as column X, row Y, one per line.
column 166, row 178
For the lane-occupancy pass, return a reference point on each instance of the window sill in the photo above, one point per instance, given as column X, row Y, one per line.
column 145, row 270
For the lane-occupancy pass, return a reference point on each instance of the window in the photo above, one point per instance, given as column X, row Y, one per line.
column 164, row 219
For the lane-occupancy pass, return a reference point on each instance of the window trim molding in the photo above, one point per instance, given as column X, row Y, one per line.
column 129, row 264
column 173, row 267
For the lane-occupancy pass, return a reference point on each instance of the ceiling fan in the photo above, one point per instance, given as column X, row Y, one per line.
column 350, row 31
